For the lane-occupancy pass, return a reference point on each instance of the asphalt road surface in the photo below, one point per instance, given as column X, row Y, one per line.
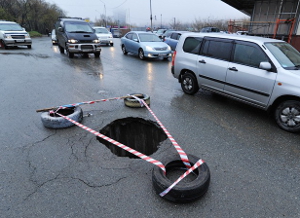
column 254, row 165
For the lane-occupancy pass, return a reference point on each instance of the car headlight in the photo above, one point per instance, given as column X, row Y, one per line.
column 27, row 36
column 149, row 48
column 72, row 40
column 169, row 48
column 7, row 36
column 96, row 41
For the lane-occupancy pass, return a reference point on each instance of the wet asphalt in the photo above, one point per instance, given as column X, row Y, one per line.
column 254, row 165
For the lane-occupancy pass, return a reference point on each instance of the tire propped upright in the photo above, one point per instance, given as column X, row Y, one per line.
column 183, row 192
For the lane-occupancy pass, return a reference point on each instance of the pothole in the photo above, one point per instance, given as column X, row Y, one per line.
column 136, row 133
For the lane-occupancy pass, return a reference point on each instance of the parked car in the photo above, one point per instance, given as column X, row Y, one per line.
column 104, row 35
column 160, row 32
column 167, row 33
column 173, row 38
column 53, row 37
column 12, row 34
column 76, row 36
column 145, row 45
column 261, row 72
column 209, row 29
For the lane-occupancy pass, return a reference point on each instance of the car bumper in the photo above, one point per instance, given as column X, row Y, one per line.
column 157, row 54
column 105, row 41
column 17, row 42
column 83, row 48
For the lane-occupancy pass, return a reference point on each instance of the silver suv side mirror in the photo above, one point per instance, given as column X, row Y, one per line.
column 265, row 66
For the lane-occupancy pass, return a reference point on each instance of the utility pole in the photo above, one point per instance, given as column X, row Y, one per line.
column 151, row 15
column 104, row 13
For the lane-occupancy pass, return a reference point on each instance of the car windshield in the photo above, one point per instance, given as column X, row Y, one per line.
column 149, row 38
column 75, row 27
column 10, row 27
column 286, row 55
column 101, row 30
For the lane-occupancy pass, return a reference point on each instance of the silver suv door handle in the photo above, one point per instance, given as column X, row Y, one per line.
column 233, row 69
column 202, row 61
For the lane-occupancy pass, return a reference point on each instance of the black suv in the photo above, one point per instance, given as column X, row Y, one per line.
column 76, row 36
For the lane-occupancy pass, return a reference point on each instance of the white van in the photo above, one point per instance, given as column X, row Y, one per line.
column 262, row 72
column 12, row 34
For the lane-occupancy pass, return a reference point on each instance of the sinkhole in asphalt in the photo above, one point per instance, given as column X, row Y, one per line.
column 136, row 133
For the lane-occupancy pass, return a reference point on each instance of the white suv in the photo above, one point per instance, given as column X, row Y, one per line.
column 258, row 71
column 104, row 35
column 12, row 34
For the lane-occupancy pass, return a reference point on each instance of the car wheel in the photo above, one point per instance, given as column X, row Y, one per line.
column 141, row 54
column 132, row 102
column 29, row 46
column 61, row 49
column 187, row 190
column 97, row 54
column 189, row 83
column 53, row 121
column 124, row 50
column 70, row 54
column 287, row 115
column 111, row 44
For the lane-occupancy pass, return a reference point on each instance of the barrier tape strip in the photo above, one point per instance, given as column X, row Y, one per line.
column 87, row 102
column 132, row 151
column 196, row 165
column 182, row 154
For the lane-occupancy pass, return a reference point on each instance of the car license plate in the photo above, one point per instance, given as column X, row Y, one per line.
column 20, row 40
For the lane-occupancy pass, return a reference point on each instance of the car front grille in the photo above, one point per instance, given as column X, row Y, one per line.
column 18, row 36
column 87, row 47
column 161, row 49
column 86, row 41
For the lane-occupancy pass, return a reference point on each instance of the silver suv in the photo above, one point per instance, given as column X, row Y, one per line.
column 262, row 72
column 12, row 34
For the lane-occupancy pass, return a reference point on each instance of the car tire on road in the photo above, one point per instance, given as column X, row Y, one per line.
column 189, row 83
column 132, row 102
column 184, row 191
column 141, row 54
column 124, row 50
column 53, row 121
column 287, row 115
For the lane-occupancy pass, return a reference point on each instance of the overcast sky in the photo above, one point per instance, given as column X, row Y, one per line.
column 138, row 11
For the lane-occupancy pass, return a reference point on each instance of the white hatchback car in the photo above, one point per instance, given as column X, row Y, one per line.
column 104, row 35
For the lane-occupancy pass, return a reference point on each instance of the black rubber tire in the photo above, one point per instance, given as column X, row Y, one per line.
column 58, row 122
column 132, row 102
column 97, row 54
column 189, row 83
column 141, row 54
column 111, row 44
column 61, row 49
column 124, row 50
column 287, row 115
column 70, row 54
column 183, row 192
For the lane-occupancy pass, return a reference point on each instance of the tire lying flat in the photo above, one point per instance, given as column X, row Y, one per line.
column 132, row 102
column 56, row 122
column 183, row 192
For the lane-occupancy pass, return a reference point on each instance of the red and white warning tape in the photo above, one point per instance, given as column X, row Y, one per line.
column 181, row 153
column 132, row 151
